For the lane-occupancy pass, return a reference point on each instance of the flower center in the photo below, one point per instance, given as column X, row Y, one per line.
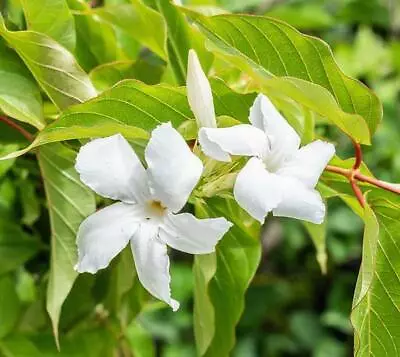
column 155, row 209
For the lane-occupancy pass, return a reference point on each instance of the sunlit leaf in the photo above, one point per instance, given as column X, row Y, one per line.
column 69, row 202
column 53, row 66
column 265, row 48
column 139, row 21
column 53, row 18
column 376, row 299
column 133, row 109
column 148, row 71
column 22, row 99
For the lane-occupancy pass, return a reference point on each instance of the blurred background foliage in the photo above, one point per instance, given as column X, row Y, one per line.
column 291, row 308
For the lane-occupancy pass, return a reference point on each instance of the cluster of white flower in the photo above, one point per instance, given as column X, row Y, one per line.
column 280, row 177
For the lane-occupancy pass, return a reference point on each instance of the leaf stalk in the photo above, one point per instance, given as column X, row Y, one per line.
column 15, row 126
column 354, row 176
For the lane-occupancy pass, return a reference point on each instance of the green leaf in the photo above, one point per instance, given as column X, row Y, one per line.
column 9, row 305
column 304, row 16
column 230, row 103
column 6, row 165
column 54, row 67
column 53, row 18
column 19, row 346
column 96, row 41
column 376, row 300
column 133, row 109
column 30, row 202
column 264, row 47
column 16, row 247
column 222, row 278
column 22, row 99
column 123, row 298
column 181, row 38
column 140, row 340
column 109, row 74
column 317, row 233
column 69, row 202
column 134, row 16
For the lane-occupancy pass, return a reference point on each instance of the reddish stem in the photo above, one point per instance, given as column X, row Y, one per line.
column 358, row 153
column 354, row 175
column 373, row 181
column 338, row 170
column 15, row 126
column 357, row 191
column 360, row 177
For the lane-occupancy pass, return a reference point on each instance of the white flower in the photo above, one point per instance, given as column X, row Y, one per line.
column 199, row 93
column 280, row 177
column 146, row 216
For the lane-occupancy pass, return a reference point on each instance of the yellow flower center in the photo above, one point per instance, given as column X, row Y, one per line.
column 156, row 208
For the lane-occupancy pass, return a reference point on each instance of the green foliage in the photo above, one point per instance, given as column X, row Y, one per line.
column 136, row 15
column 69, row 202
column 54, row 68
column 252, row 43
column 9, row 305
column 16, row 247
column 22, row 100
column 52, row 18
column 375, row 308
column 222, row 278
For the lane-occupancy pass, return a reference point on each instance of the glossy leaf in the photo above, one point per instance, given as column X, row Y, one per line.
column 16, row 247
column 22, row 99
column 376, row 300
column 264, row 47
column 134, row 16
column 230, row 103
column 53, row 18
column 148, row 71
column 133, row 109
column 54, row 67
column 222, row 278
column 69, row 202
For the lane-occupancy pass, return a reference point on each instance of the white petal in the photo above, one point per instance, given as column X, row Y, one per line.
column 300, row 202
column 256, row 116
column 256, row 190
column 199, row 93
column 173, row 169
column 104, row 234
column 188, row 234
column 110, row 167
column 152, row 263
column 241, row 139
column 284, row 140
column 309, row 162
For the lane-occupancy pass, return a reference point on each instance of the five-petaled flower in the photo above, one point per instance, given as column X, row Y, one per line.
column 147, row 214
column 280, row 177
